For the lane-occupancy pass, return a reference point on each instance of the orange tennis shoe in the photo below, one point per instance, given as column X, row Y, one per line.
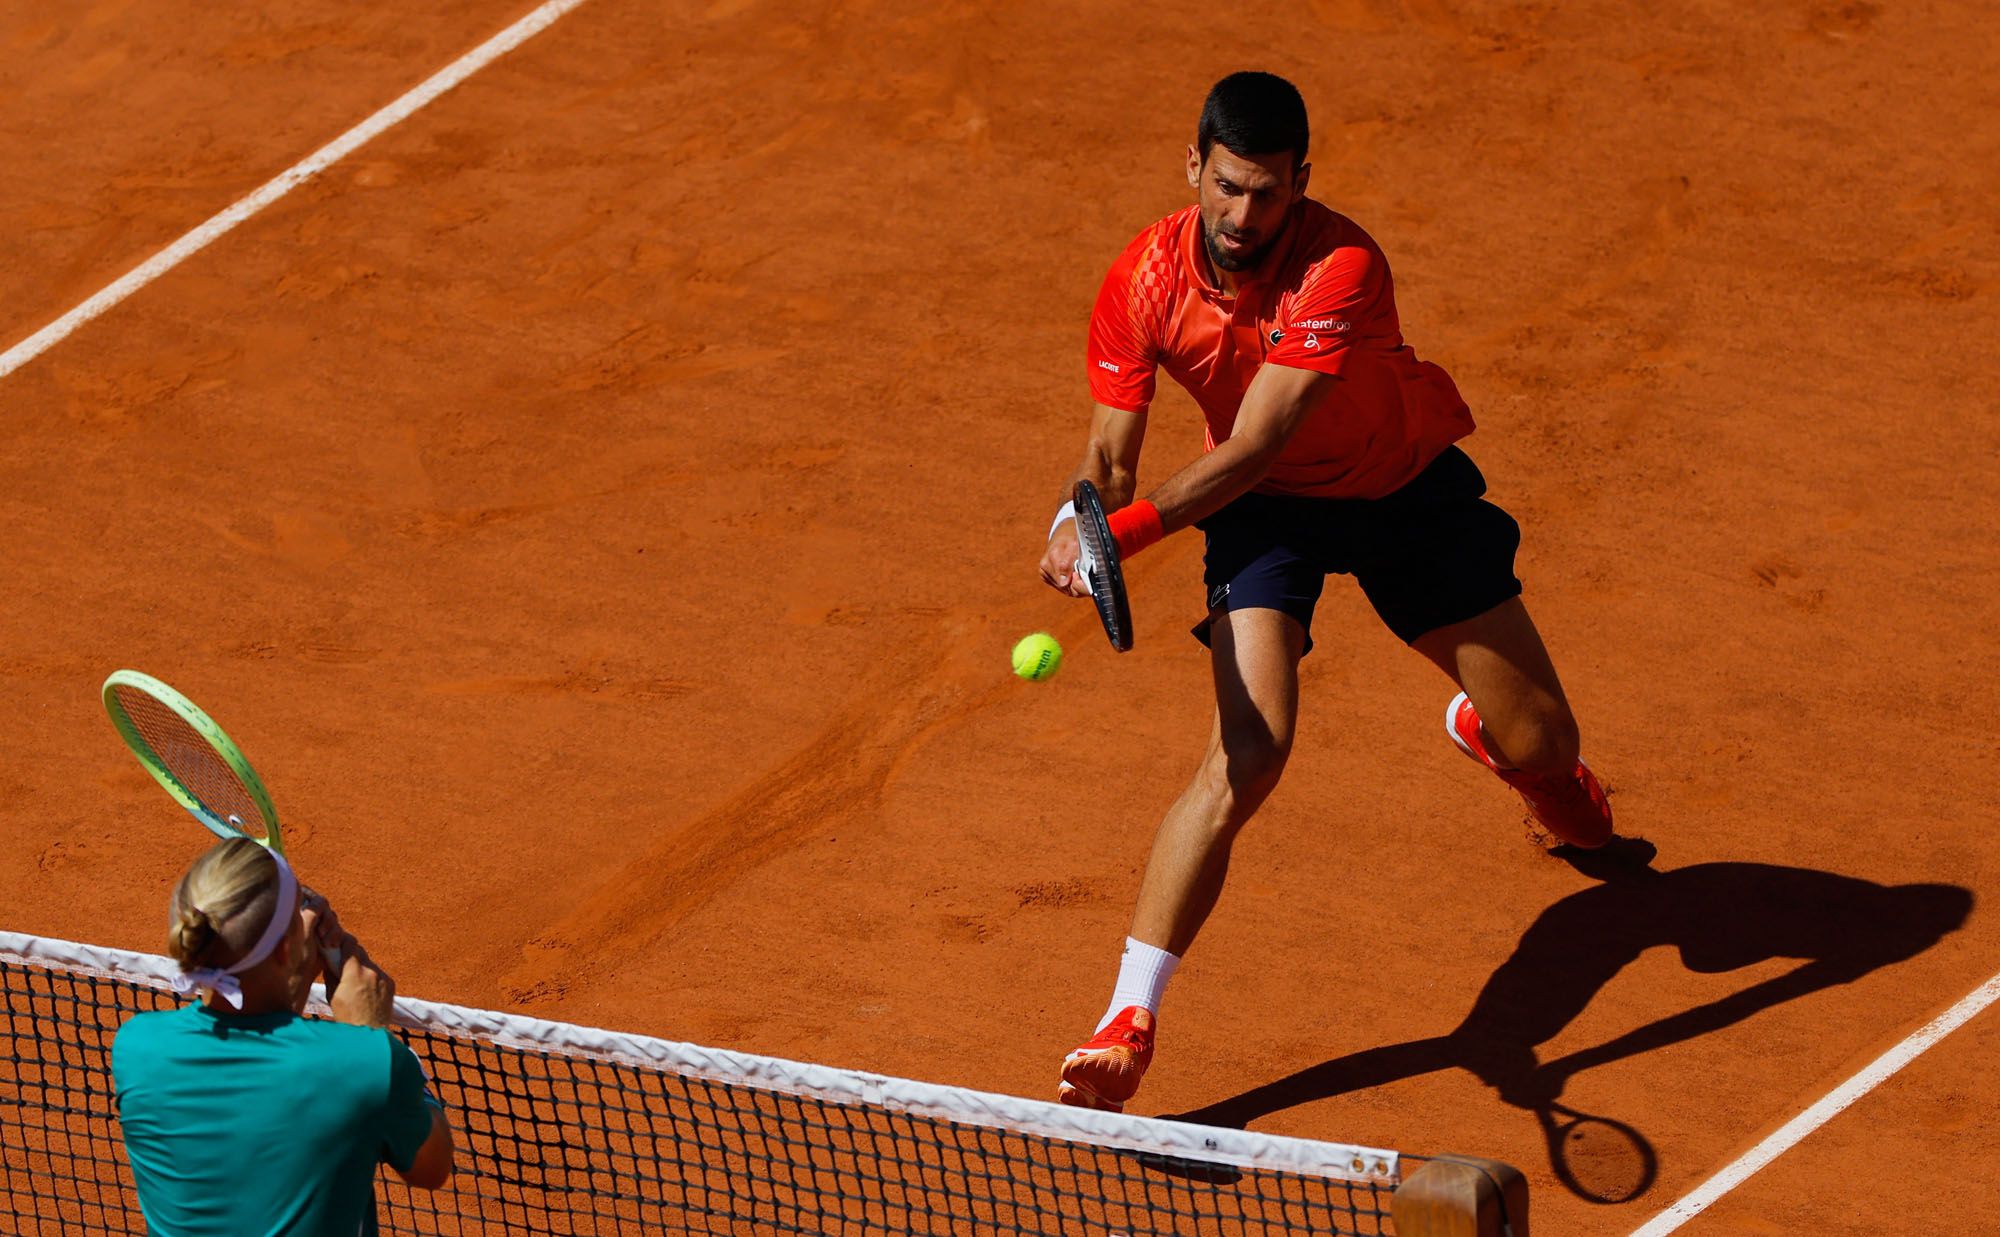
column 1573, row 807
column 1104, row 1071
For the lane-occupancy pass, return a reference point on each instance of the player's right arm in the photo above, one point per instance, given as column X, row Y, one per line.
column 431, row 1167
column 416, row 1133
column 366, row 997
column 1111, row 463
column 1122, row 353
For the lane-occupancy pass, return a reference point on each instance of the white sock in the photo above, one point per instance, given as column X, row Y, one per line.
column 1143, row 973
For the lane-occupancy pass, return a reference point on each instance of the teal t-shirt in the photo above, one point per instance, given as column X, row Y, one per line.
column 269, row 1123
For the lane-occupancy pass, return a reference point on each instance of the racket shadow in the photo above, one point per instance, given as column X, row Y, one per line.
column 1598, row 1159
column 1720, row 917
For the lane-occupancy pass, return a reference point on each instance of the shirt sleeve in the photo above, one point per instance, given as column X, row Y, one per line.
column 1332, row 308
column 1122, row 351
column 406, row 1118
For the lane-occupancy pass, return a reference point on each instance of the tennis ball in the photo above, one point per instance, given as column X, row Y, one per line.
column 1036, row 657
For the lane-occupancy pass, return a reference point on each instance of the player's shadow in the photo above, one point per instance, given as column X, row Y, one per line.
column 1719, row 916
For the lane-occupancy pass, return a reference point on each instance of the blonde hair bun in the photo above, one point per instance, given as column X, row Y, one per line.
column 207, row 923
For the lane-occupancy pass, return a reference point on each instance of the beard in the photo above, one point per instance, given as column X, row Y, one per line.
column 1243, row 260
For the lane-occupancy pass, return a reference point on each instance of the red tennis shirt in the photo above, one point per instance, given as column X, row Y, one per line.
column 1323, row 301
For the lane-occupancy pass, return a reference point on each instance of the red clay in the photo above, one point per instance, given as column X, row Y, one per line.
column 602, row 508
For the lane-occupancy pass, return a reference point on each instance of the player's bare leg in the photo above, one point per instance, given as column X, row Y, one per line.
column 1499, row 660
column 1255, row 660
column 1255, row 663
column 1514, row 718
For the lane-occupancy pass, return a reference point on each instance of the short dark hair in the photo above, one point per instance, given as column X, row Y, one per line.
column 1254, row 114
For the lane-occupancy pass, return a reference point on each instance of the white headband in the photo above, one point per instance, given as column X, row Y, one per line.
column 223, row 982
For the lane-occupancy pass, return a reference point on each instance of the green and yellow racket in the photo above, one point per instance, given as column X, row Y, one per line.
column 192, row 757
column 198, row 764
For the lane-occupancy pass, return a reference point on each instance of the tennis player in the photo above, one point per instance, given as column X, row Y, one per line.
column 1329, row 451
column 241, row 1116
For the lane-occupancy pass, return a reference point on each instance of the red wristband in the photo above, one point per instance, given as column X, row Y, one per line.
column 1136, row 527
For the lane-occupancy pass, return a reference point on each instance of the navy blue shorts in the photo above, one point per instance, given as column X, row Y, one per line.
column 1431, row 554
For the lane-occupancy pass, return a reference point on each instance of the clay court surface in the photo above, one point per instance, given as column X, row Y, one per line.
column 602, row 506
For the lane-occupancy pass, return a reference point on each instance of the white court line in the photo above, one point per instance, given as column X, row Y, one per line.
column 1819, row 1114
column 286, row 181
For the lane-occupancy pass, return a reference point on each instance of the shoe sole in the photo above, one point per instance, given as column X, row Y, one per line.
column 1080, row 1097
column 1085, row 1075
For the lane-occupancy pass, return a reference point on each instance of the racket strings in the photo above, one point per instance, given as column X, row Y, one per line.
column 184, row 753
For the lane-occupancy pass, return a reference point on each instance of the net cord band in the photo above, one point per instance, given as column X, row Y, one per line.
column 1241, row 1148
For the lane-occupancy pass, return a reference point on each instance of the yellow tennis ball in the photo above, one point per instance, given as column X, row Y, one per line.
column 1036, row 657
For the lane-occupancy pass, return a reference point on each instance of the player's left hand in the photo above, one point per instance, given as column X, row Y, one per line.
column 322, row 923
column 323, row 936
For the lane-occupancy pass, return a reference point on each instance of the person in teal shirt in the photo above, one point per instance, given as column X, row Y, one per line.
column 243, row 1117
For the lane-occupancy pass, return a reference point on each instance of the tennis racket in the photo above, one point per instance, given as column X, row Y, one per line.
column 1097, row 563
column 197, row 763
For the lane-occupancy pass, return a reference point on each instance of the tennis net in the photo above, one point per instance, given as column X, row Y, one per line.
column 570, row 1130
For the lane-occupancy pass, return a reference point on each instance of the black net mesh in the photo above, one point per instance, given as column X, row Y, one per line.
column 555, row 1143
